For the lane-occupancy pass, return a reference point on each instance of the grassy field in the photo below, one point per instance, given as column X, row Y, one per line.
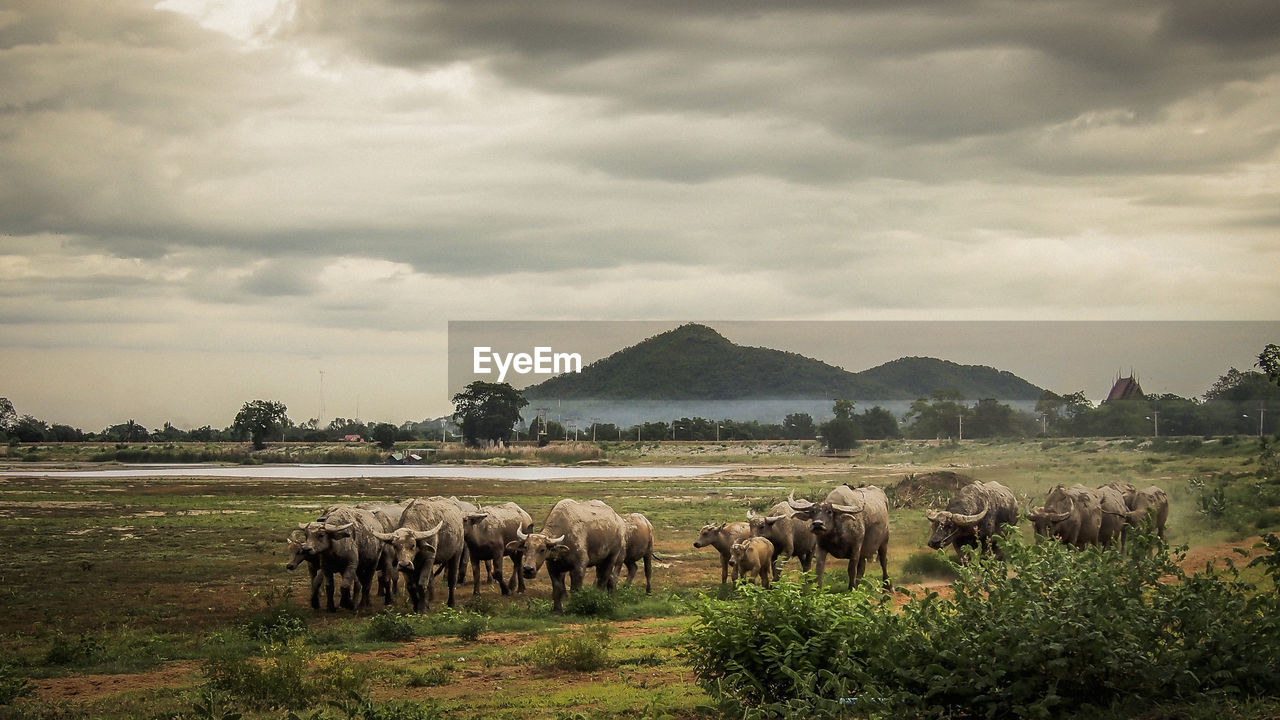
column 126, row 598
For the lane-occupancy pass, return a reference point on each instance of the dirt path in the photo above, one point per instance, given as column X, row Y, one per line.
column 186, row 672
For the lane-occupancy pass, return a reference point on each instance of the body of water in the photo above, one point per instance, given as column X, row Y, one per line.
column 331, row 472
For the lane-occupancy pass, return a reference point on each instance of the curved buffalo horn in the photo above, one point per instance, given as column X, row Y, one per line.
column 521, row 534
column 932, row 515
column 383, row 536
column 338, row 528
column 557, row 541
column 798, row 504
column 1057, row 517
column 969, row 519
column 847, row 509
column 750, row 513
column 303, row 526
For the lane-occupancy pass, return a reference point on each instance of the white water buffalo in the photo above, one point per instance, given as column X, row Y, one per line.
column 639, row 548
column 344, row 544
column 850, row 523
column 488, row 530
column 977, row 516
column 790, row 536
column 752, row 556
column 1073, row 515
column 430, row 534
column 575, row 536
column 722, row 537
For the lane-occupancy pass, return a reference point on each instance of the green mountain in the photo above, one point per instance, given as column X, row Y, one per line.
column 694, row 362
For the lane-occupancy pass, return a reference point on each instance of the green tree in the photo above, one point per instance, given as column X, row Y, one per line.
column 841, row 431
column 488, row 411
column 385, row 435
column 799, row 426
column 260, row 418
column 1269, row 361
column 8, row 416
column 878, row 424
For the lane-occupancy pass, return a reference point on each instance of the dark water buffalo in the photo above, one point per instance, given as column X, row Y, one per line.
column 722, row 537
column 639, row 548
column 488, row 530
column 1115, row 514
column 789, row 535
column 1073, row 515
column 977, row 516
column 850, row 523
column 576, row 536
column 752, row 556
column 344, row 544
column 318, row 576
column 1149, row 505
column 430, row 534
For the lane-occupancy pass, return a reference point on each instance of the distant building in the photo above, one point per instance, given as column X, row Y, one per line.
column 352, row 439
column 1126, row 388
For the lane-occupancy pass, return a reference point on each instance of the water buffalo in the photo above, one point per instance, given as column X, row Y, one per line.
column 575, row 536
column 1112, row 525
column 1149, row 504
column 752, row 556
column 344, row 543
column 850, row 523
column 978, row 515
column 430, row 534
column 722, row 537
column 1073, row 515
column 488, row 530
column 318, row 576
column 639, row 548
column 789, row 535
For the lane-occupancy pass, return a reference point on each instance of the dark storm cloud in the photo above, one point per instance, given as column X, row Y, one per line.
column 906, row 71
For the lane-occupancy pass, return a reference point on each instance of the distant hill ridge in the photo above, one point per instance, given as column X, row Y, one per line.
column 694, row 362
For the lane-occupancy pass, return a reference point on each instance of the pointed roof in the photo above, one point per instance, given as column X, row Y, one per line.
column 1126, row 388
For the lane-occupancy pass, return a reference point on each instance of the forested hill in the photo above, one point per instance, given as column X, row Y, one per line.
column 694, row 362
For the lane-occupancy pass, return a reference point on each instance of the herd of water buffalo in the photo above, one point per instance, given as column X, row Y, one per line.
column 349, row 545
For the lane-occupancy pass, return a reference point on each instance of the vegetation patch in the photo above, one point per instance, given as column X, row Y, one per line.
column 1054, row 632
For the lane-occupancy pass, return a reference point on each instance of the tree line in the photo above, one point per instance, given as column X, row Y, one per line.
column 1236, row 404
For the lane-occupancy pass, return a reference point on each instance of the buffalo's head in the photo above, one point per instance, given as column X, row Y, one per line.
column 536, row 549
column 296, row 556
column 708, row 535
column 404, row 544
column 761, row 524
column 827, row 516
column 320, row 536
column 949, row 526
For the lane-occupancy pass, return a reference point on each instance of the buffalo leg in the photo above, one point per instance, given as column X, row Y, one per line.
column 498, row 574
column 557, row 591
column 348, row 589
column 648, row 572
column 576, row 576
column 882, row 554
column 452, row 576
column 724, row 569
column 475, row 572
column 820, row 567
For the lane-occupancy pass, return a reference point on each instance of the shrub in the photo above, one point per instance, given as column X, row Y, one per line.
column 66, row 650
column 585, row 650
column 289, row 675
column 462, row 624
column 12, row 686
column 591, row 601
column 1053, row 632
column 389, row 626
column 279, row 621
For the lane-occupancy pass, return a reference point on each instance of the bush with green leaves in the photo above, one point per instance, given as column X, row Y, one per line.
column 1052, row 632
column 389, row 626
column 289, row 675
column 591, row 601
column 584, row 650
column 12, row 685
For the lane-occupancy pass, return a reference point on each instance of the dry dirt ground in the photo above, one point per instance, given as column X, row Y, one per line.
column 475, row 678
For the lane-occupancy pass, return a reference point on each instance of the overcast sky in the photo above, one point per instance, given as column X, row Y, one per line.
column 204, row 202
